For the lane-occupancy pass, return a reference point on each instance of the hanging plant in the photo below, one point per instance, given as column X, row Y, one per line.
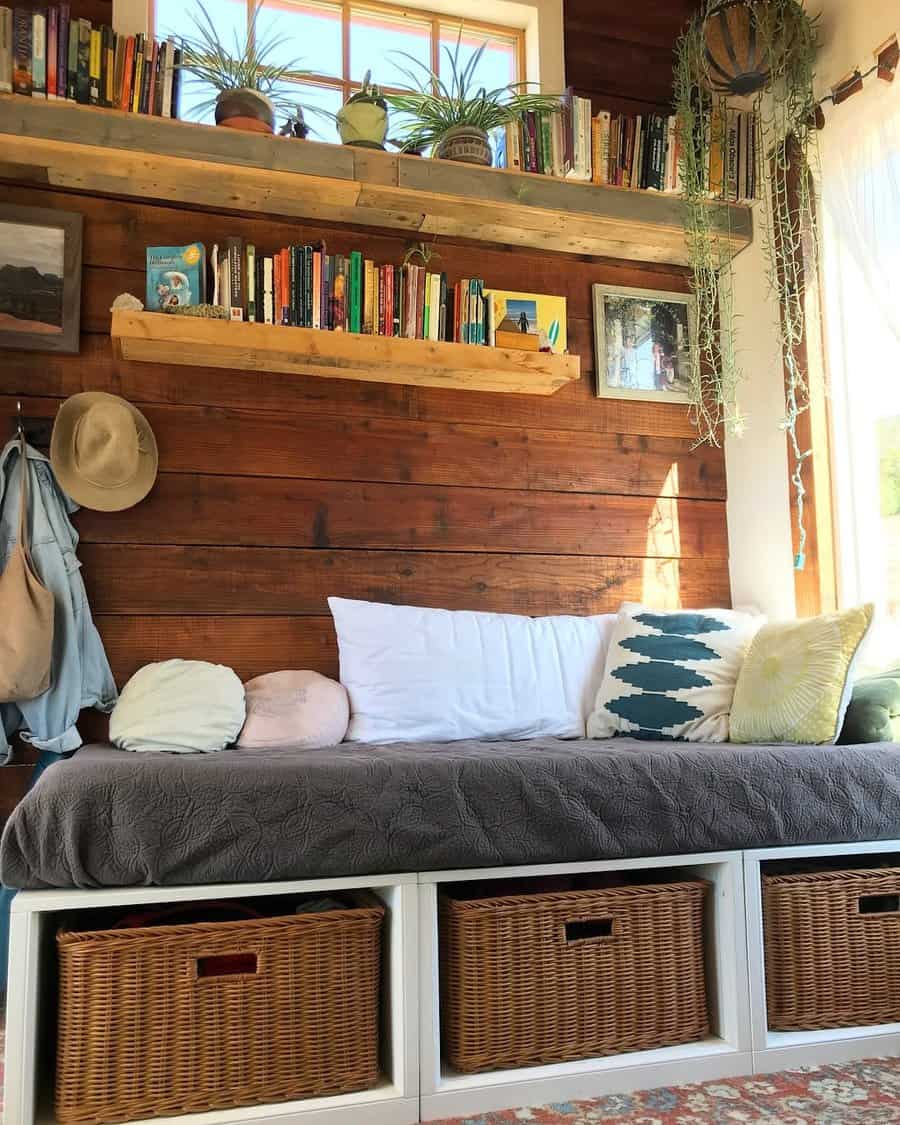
column 763, row 50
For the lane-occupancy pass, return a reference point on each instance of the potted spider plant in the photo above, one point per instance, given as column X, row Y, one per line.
column 245, row 78
column 362, row 121
column 453, row 117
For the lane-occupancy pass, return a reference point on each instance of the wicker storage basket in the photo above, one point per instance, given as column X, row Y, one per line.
column 832, row 942
column 184, row 1018
column 549, row 977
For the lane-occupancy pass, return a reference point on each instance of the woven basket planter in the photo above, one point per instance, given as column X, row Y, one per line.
column 550, row 977
column 832, row 948
column 185, row 1018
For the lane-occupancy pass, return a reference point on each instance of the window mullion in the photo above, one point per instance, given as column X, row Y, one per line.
column 345, row 48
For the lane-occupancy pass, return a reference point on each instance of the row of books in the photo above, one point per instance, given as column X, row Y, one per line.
column 306, row 287
column 47, row 53
column 639, row 151
column 645, row 152
column 551, row 144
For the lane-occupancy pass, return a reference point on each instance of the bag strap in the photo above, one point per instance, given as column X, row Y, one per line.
column 23, row 500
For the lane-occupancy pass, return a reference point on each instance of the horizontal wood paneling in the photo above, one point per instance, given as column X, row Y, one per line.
column 231, row 581
column 574, row 408
column 275, row 492
column 622, row 54
column 249, row 645
column 240, row 443
column 263, row 511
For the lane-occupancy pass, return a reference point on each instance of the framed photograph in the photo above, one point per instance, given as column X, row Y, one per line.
column 645, row 343
column 40, row 278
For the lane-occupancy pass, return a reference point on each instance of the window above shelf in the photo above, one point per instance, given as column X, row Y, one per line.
column 108, row 152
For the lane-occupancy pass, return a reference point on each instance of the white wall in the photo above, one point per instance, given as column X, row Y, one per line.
column 759, row 497
column 759, row 511
column 850, row 31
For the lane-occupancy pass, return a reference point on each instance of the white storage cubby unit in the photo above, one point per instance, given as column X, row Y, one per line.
column 725, row 1053
column 417, row 1084
column 31, row 1004
column 781, row 1050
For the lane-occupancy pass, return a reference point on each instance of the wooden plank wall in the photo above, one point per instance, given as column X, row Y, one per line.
column 275, row 492
column 621, row 54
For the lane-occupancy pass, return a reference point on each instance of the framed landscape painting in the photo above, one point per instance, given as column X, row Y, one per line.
column 645, row 343
column 40, row 278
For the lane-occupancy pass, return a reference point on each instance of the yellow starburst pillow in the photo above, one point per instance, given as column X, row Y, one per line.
column 795, row 682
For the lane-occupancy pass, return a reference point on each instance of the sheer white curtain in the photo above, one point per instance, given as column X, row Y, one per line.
column 860, row 185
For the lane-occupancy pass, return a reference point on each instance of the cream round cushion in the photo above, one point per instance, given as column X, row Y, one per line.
column 294, row 710
column 183, row 706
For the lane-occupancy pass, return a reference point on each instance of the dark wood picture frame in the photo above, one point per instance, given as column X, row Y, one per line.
column 72, row 224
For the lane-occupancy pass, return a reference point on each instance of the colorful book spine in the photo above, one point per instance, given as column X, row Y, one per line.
column 38, row 55
column 6, row 50
column 23, row 32
column 62, row 51
column 52, row 50
column 94, row 65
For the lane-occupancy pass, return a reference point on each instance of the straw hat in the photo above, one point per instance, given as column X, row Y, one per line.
column 103, row 452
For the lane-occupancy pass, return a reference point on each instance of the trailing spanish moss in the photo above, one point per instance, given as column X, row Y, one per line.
column 784, row 113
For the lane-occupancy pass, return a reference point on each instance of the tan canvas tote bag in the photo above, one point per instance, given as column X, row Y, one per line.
column 26, row 617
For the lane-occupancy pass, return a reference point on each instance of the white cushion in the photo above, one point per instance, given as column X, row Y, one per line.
column 432, row 674
column 179, row 705
column 672, row 675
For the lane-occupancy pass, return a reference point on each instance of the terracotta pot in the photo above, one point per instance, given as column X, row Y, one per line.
column 466, row 144
column 248, row 110
column 362, row 123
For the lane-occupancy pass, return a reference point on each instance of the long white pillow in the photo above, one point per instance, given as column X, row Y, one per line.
column 416, row 674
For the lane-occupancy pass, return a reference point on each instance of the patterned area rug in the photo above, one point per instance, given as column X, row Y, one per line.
column 863, row 1093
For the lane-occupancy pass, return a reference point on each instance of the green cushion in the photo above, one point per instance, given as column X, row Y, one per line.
column 874, row 711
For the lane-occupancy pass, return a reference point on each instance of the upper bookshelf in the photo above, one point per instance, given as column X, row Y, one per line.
column 109, row 152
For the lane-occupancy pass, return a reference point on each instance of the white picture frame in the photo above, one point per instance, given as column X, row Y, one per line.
column 659, row 365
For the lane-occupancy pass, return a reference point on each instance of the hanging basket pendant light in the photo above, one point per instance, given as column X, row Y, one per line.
column 737, row 62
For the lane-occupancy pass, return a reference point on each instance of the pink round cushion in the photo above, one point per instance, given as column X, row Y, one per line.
column 297, row 710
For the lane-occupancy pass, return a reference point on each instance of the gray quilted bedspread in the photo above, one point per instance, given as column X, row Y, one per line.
column 108, row 818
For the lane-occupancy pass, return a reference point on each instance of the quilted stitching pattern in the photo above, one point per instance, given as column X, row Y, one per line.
column 108, row 818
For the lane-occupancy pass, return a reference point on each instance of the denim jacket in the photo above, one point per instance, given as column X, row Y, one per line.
column 80, row 673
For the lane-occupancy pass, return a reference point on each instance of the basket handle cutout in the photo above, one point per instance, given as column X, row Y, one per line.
column 879, row 904
column 590, row 929
column 227, row 965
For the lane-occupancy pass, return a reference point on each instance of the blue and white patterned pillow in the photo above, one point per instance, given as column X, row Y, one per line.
column 672, row 675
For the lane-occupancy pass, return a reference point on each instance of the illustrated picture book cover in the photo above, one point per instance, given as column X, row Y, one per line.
column 531, row 322
column 176, row 276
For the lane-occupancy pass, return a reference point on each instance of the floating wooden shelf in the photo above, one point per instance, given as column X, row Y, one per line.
column 108, row 152
column 193, row 342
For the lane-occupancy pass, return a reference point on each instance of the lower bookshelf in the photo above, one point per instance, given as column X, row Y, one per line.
column 195, row 342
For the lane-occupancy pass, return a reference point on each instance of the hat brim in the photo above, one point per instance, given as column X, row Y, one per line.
column 62, row 457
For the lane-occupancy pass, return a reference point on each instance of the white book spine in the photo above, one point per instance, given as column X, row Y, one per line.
column 268, row 299
column 6, row 51
column 434, row 315
column 168, row 76
column 514, row 145
column 39, row 55
column 214, row 266
column 586, row 132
